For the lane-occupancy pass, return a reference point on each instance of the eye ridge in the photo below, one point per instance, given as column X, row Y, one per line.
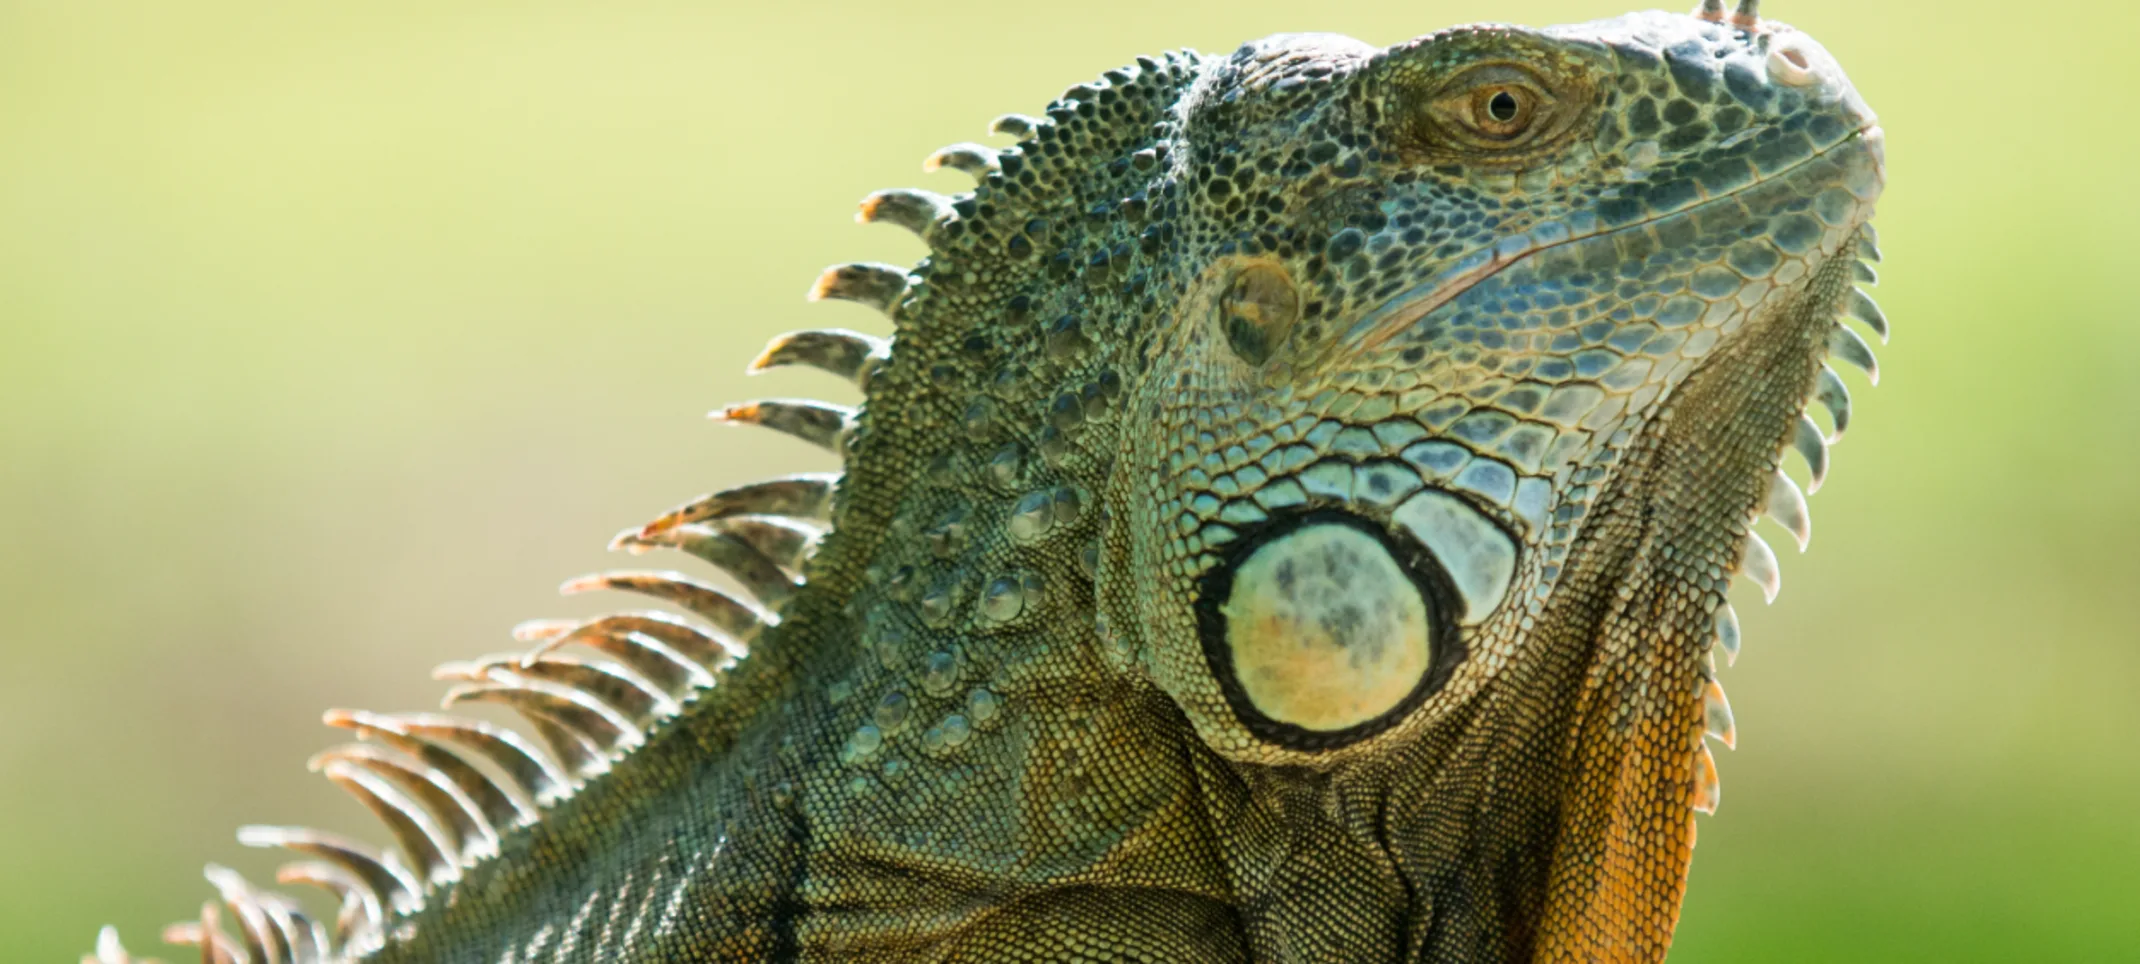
column 1446, row 644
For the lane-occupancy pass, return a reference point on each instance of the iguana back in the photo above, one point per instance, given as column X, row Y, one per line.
column 1291, row 522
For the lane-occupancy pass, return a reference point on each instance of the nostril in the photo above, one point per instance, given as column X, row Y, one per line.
column 1791, row 67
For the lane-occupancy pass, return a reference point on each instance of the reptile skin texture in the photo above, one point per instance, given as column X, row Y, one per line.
column 1291, row 522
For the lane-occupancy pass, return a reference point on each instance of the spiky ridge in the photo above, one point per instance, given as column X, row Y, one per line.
column 455, row 792
column 449, row 789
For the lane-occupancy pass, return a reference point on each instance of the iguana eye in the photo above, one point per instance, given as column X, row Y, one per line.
column 1494, row 107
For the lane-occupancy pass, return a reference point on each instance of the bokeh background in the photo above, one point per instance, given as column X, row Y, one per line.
column 333, row 336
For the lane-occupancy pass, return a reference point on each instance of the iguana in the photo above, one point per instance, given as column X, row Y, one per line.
column 1291, row 522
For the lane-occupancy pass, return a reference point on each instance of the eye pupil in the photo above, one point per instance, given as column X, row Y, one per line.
column 1502, row 107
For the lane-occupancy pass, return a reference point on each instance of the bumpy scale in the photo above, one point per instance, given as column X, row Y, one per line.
column 1292, row 522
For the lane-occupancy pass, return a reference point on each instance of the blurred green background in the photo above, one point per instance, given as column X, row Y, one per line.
column 332, row 337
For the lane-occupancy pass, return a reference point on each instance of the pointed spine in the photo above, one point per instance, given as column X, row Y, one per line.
column 633, row 696
column 262, row 942
column 914, row 209
column 978, row 160
column 1835, row 397
column 1787, row 506
column 206, row 934
column 501, row 805
column 110, row 950
column 577, row 751
column 359, row 920
column 848, row 354
column 1811, row 446
column 467, row 827
column 807, row 496
column 1757, row 562
column 1016, row 125
column 1716, row 715
column 533, row 773
column 1727, row 633
column 788, row 544
column 822, row 424
column 536, row 699
column 1708, row 790
column 305, row 938
column 879, row 286
column 668, row 671
column 1865, row 309
column 424, row 843
column 711, row 652
column 1845, row 344
column 728, row 614
column 391, row 885
column 759, row 575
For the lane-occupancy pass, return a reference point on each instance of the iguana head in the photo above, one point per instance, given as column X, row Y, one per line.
column 1439, row 301
column 1486, row 351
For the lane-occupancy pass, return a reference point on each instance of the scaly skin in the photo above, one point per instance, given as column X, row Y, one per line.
column 1292, row 523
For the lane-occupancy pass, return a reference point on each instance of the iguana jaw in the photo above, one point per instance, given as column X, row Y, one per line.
column 1568, row 787
column 1637, row 764
column 1621, row 664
